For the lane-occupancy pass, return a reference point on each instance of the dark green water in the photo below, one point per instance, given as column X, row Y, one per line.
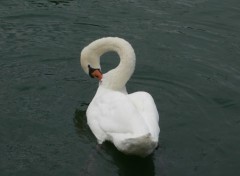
column 188, row 58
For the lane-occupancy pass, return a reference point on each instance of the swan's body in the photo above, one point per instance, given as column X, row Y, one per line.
column 129, row 121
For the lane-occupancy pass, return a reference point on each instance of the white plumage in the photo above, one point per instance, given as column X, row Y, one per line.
column 129, row 121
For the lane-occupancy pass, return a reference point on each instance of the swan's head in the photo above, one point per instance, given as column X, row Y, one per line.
column 90, row 63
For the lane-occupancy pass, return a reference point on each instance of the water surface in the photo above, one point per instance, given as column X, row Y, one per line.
column 187, row 59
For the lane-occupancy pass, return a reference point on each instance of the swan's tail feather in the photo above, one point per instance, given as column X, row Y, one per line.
column 141, row 146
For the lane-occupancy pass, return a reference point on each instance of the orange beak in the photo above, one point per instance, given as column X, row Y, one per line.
column 97, row 74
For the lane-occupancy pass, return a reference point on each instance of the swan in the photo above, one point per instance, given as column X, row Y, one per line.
column 129, row 121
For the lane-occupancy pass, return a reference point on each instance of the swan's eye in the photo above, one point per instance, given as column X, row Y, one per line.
column 91, row 70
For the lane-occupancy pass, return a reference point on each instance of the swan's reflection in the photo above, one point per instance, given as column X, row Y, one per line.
column 130, row 165
column 80, row 122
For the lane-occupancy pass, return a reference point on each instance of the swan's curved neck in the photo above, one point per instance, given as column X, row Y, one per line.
column 118, row 77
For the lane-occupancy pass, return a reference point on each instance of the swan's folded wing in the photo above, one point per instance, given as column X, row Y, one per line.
column 115, row 113
column 147, row 108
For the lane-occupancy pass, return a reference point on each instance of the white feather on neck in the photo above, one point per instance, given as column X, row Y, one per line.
column 116, row 78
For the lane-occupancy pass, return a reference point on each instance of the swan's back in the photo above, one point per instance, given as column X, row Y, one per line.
column 114, row 116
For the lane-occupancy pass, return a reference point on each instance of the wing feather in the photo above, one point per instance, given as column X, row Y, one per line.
column 115, row 113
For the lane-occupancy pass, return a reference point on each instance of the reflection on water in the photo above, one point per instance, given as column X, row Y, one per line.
column 130, row 165
column 57, row 2
column 80, row 122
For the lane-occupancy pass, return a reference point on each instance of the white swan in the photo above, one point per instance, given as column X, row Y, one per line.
column 129, row 121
